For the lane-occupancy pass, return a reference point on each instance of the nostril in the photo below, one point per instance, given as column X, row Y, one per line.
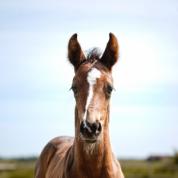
column 96, row 127
column 82, row 127
column 85, row 127
column 99, row 127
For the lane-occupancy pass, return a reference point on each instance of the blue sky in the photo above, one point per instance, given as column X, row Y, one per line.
column 35, row 76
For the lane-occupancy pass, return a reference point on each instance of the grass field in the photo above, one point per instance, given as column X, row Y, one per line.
column 150, row 169
column 166, row 167
column 20, row 168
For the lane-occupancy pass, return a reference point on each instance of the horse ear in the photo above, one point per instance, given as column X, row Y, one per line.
column 111, row 53
column 75, row 54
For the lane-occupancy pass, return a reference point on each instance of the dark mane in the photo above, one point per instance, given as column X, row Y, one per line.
column 93, row 54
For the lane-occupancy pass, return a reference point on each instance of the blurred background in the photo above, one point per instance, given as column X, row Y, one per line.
column 35, row 76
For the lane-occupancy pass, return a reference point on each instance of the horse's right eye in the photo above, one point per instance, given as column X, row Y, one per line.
column 74, row 89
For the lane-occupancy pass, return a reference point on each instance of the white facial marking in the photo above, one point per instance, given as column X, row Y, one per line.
column 91, row 79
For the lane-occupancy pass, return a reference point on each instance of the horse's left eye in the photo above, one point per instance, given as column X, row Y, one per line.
column 74, row 89
column 109, row 89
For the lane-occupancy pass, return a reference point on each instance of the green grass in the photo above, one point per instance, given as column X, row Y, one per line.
column 23, row 169
column 164, row 168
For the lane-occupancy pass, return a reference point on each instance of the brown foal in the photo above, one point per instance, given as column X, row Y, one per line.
column 89, row 153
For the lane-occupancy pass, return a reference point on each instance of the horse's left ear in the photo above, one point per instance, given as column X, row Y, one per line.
column 111, row 53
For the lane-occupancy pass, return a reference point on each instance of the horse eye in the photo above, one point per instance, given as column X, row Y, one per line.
column 74, row 89
column 109, row 89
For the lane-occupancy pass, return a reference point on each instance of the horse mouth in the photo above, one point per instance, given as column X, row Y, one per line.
column 90, row 140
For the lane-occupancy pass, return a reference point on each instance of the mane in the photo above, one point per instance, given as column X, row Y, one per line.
column 93, row 54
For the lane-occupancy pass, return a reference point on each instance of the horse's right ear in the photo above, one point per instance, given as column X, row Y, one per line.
column 75, row 53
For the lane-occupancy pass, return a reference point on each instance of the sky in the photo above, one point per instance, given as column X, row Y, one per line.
column 35, row 75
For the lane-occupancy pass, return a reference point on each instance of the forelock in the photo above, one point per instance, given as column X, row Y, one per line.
column 94, row 54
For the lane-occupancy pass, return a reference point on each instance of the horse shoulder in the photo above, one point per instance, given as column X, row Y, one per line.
column 44, row 160
column 117, row 168
column 52, row 158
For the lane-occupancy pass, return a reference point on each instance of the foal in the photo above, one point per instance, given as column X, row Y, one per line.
column 89, row 154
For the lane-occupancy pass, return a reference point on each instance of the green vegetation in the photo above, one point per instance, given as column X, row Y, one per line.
column 17, row 168
column 153, row 167
column 175, row 158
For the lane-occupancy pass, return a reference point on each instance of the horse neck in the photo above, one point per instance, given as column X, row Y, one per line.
column 97, row 159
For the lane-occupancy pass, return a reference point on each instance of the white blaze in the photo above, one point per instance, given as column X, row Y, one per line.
column 91, row 79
